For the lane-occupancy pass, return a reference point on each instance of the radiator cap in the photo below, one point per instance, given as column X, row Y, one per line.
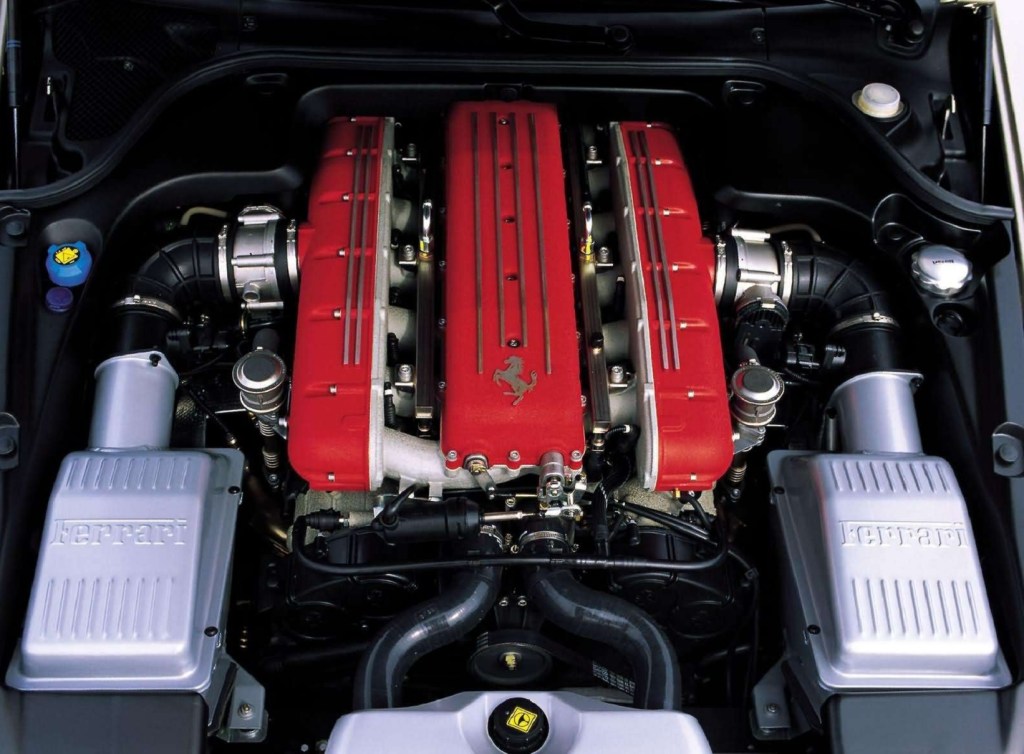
column 518, row 726
column 68, row 264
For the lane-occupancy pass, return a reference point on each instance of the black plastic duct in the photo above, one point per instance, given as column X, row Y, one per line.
column 423, row 628
column 613, row 621
column 845, row 296
column 179, row 275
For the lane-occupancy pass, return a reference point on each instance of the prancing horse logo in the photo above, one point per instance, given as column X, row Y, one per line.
column 513, row 375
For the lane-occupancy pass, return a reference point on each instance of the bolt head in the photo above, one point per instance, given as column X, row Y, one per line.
column 513, row 455
column 521, row 602
column 245, row 710
column 452, row 455
column 576, row 455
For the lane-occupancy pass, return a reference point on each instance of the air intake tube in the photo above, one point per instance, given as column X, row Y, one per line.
column 872, row 410
column 252, row 262
column 462, row 605
column 610, row 620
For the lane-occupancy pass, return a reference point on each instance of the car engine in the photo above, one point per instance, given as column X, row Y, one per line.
column 496, row 417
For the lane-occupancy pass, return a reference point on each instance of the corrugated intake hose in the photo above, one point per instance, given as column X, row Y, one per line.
column 846, row 295
column 421, row 629
column 177, row 276
column 611, row 620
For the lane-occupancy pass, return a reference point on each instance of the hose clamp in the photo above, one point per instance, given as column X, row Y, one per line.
column 148, row 302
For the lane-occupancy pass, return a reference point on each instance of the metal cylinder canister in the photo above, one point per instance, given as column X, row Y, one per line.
column 134, row 405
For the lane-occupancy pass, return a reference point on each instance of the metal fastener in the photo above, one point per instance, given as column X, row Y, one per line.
column 604, row 255
column 513, row 455
column 576, row 455
column 452, row 455
column 405, row 372
column 772, row 708
column 408, row 253
column 591, row 152
column 245, row 710
column 521, row 602
column 616, row 374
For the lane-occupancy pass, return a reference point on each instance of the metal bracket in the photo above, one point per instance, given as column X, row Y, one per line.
column 10, row 432
column 246, row 718
column 770, row 716
column 1008, row 449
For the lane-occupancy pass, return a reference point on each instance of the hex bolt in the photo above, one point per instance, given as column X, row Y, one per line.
column 408, row 253
column 405, row 372
column 452, row 455
column 513, row 455
column 576, row 455
column 604, row 255
column 617, row 374
column 521, row 602
column 411, row 151
column 245, row 710
column 510, row 503
column 591, row 152
column 503, row 602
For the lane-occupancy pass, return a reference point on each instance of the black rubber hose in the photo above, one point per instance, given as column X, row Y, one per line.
column 179, row 275
column 421, row 629
column 613, row 621
column 848, row 298
column 581, row 562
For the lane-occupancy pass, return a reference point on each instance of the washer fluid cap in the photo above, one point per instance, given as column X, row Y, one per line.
column 879, row 101
column 941, row 269
column 68, row 264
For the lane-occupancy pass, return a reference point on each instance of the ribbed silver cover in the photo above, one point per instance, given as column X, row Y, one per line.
column 132, row 569
column 884, row 563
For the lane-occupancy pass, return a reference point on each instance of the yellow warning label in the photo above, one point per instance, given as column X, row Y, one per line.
column 521, row 720
column 66, row 255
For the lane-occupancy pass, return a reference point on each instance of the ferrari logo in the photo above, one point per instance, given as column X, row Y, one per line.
column 512, row 375
column 66, row 255
column 521, row 720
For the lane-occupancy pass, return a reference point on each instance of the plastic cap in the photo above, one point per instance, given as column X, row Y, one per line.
column 68, row 264
column 518, row 726
column 879, row 101
column 59, row 299
column 941, row 269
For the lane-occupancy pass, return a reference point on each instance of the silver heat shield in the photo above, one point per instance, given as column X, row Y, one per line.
column 129, row 592
column 885, row 588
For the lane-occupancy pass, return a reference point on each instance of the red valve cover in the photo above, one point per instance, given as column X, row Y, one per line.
column 331, row 421
column 693, row 442
column 511, row 353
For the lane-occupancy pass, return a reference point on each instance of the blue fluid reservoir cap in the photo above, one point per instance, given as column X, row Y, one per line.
column 59, row 299
column 68, row 264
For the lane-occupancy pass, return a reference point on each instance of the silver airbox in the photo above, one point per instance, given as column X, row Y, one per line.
column 129, row 592
column 886, row 589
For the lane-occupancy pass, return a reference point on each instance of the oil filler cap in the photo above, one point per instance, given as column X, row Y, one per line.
column 941, row 270
column 518, row 726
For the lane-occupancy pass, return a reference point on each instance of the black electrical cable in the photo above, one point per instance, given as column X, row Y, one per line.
column 699, row 510
column 682, row 527
column 574, row 562
column 390, row 513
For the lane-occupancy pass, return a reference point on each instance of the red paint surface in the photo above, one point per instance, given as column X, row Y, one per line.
column 479, row 416
column 329, row 423
column 694, row 427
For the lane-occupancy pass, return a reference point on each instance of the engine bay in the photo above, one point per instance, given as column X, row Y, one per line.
column 518, row 417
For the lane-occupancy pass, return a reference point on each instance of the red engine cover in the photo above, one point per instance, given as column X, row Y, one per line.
column 511, row 353
column 693, row 444
column 337, row 353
